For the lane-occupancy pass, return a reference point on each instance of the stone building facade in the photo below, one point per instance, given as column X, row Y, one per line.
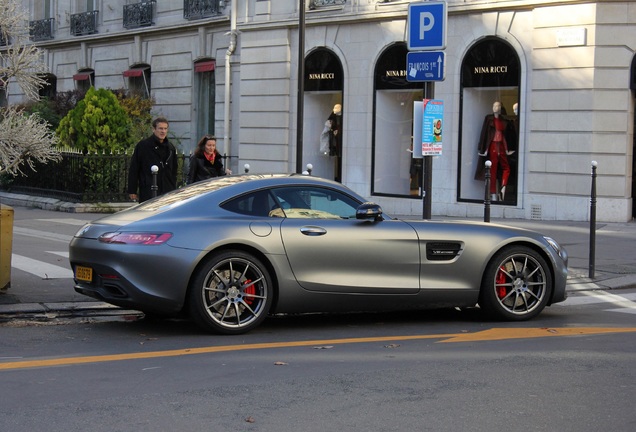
column 562, row 70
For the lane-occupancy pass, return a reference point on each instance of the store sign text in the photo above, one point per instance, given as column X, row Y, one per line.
column 490, row 69
column 321, row 76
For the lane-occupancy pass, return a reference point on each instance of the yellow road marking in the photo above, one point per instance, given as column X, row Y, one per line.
column 486, row 335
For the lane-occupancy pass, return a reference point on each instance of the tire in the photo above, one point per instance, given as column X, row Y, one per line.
column 517, row 284
column 231, row 293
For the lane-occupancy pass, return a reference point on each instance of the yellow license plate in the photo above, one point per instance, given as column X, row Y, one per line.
column 84, row 273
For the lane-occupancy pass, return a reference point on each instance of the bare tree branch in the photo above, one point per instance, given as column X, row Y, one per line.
column 24, row 139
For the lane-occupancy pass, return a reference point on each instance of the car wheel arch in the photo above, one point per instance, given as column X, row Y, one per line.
column 243, row 248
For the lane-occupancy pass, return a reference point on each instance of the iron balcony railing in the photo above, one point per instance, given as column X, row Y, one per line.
column 139, row 14
column 41, row 30
column 314, row 4
column 84, row 23
column 197, row 9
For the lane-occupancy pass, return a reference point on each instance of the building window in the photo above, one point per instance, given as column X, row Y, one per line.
column 138, row 80
column 49, row 89
column 197, row 9
column 323, row 113
column 84, row 23
column 394, row 171
column 489, row 122
column 205, row 96
column 139, row 14
column 84, row 79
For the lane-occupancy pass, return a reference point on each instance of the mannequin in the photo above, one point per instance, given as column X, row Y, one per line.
column 494, row 147
column 335, row 138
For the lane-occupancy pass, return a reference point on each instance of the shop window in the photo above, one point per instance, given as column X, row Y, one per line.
column 394, row 172
column 489, row 122
column 138, row 80
column 205, row 96
column 323, row 110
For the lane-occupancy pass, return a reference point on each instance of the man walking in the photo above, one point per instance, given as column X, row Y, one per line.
column 154, row 150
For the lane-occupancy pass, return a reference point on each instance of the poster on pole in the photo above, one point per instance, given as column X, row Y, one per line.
column 432, row 127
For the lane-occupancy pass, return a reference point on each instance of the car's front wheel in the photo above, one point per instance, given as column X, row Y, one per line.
column 517, row 284
column 231, row 293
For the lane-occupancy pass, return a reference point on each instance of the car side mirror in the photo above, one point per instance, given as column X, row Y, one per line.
column 369, row 210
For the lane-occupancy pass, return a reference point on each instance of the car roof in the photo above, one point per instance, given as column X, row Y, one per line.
column 233, row 185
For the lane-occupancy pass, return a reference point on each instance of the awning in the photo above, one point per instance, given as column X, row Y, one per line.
column 204, row 66
column 82, row 76
column 133, row 73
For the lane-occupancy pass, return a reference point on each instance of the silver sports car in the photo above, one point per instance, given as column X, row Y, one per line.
column 230, row 251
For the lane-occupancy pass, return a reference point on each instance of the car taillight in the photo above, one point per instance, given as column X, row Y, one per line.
column 138, row 238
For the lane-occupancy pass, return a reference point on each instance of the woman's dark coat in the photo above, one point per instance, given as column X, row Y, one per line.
column 201, row 168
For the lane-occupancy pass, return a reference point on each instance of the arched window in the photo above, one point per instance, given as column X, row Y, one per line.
column 394, row 172
column 324, row 85
column 490, row 73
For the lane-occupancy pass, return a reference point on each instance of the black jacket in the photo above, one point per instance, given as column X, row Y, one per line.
column 149, row 152
column 201, row 168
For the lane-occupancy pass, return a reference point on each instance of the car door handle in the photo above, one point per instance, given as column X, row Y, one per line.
column 313, row 231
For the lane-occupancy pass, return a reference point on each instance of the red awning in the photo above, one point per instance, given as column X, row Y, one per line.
column 205, row 66
column 82, row 76
column 133, row 73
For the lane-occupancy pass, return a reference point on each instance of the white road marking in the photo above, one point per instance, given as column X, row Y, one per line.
column 77, row 222
column 42, row 234
column 59, row 253
column 595, row 297
column 40, row 268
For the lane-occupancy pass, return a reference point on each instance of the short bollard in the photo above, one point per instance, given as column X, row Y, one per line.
column 310, row 168
column 246, row 167
column 593, row 222
column 154, row 188
column 488, row 164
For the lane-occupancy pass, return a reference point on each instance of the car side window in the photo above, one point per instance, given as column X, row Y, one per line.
column 258, row 203
column 314, row 203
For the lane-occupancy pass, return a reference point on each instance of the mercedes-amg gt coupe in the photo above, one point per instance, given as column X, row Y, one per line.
column 230, row 251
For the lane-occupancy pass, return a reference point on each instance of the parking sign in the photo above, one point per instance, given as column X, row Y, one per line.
column 427, row 26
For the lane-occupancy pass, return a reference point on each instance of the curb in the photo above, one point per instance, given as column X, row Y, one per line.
column 53, row 204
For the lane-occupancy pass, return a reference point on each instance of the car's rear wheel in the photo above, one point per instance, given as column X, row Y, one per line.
column 231, row 293
column 517, row 284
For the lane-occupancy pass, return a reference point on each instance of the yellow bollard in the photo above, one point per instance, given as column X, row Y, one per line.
column 6, row 245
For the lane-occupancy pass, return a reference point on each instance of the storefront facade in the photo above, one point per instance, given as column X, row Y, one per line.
column 562, row 73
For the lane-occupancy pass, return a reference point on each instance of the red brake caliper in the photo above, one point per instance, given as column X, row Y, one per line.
column 249, row 292
column 500, row 280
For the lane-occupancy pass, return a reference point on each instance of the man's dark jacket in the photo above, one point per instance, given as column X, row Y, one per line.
column 149, row 152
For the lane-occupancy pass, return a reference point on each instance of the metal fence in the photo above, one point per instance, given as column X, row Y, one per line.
column 85, row 178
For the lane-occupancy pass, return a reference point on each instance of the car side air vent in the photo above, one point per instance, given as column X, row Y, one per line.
column 442, row 251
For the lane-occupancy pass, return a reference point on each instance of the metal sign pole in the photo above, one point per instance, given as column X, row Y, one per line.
column 427, row 165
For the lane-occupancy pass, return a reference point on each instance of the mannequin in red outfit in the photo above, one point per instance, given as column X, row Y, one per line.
column 493, row 147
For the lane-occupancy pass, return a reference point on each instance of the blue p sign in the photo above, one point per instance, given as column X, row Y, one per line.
column 427, row 26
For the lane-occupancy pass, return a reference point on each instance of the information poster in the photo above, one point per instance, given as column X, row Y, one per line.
column 432, row 127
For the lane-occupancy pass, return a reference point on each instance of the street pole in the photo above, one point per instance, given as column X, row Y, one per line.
column 427, row 165
column 301, row 87
column 487, row 166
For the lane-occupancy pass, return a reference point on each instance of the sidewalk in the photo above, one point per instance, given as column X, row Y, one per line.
column 614, row 261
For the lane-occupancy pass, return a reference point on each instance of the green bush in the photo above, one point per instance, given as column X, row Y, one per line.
column 98, row 123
